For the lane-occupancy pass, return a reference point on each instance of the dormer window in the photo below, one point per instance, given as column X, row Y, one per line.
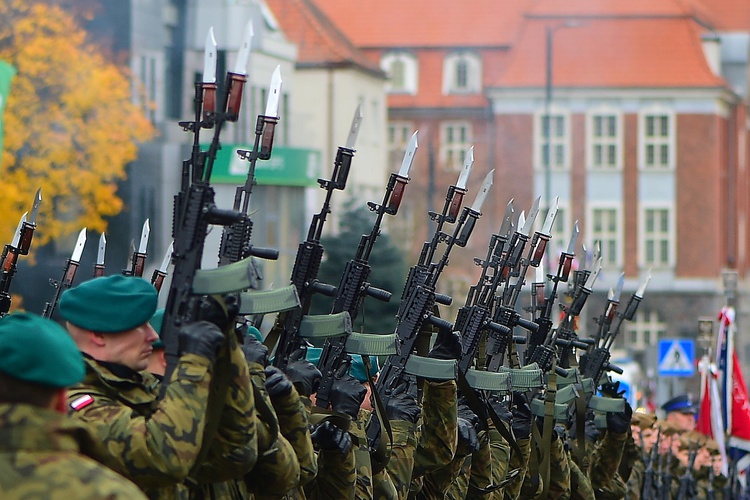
column 401, row 68
column 462, row 73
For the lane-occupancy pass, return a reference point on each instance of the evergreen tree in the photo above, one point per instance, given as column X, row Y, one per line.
column 388, row 264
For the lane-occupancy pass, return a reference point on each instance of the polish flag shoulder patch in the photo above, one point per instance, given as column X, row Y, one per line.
column 82, row 402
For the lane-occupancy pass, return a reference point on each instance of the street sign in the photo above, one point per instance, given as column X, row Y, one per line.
column 677, row 357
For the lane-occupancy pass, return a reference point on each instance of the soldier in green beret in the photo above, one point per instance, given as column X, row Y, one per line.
column 41, row 449
column 154, row 440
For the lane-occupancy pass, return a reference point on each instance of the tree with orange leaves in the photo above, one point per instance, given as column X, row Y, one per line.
column 69, row 124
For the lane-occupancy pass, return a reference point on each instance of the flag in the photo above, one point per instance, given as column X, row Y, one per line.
column 7, row 72
column 710, row 421
column 736, row 407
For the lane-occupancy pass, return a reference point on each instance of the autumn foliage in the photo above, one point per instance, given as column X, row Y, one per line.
column 70, row 126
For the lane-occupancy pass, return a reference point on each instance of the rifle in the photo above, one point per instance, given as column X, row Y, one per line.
column 687, row 482
column 710, row 490
column 99, row 265
column 137, row 259
column 417, row 308
column 20, row 245
column 194, row 208
column 647, row 491
column 69, row 274
column 310, row 253
column 354, row 286
column 666, row 476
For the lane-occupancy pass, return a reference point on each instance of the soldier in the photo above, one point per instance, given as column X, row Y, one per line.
column 680, row 411
column 40, row 448
column 151, row 440
column 643, row 438
column 157, row 362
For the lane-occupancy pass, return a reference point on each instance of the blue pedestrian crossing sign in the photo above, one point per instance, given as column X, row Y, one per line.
column 677, row 357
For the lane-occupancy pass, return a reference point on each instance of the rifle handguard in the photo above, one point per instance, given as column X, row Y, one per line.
column 498, row 328
column 439, row 323
column 527, row 324
column 379, row 294
column 264, row 253
column 613, row 368
column 571, row 343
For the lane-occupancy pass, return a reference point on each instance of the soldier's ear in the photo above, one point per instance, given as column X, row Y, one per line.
column 59, row 401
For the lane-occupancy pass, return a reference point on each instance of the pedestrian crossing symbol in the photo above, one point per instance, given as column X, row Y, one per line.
column 676, row 357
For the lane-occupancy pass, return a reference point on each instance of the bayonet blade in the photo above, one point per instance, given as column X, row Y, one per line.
column 463, row 177
column 573, row 240
column 595, row 274
column 408, row 160
column 102, row 249
column 521, row 220
column 145, row 231
column 78, row 249
column 274, row 94
column 482, row 194
column 240, row 65
column 533, row 212
column 167, row 259
column 550, row 219
column 17, row 236
column 351, row 141
column 507, row 224
column 35, row 206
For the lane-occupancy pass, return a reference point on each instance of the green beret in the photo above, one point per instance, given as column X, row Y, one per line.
column 37, row 349
column 313, row 355
column 109, row 304
column 358, row 367
column 251, row 330
column 156, row 320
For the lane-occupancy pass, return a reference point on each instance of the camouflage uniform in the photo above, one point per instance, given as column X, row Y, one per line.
column 523, row 485
column 40, row 458
column 438, row 429
column 603, row 469
column 364, row 481
column 395, row 479
column 277, row 471
column 154, row 442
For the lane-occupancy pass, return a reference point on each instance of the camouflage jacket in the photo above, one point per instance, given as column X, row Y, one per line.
column 438, row 429
column 40, row 457
column 154, row 442
column 603, row 469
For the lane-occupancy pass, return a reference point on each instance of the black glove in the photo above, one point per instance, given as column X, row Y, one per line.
column 347, row 395
column 558, row 431
column 592, row 433
column 201, row 338
column 619, row 422
column 222, row 310
column 402, row 406
column 328, row 437
column 468, row 442
column 277, row 384
column 612, row 390
column 447, row 345
column 465, row 413
column 501, row 409
column 521, row 416
column 254, row 350
column 305, row 376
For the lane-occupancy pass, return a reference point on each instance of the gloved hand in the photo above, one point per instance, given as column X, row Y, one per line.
column 468, row 441
column 501, row 408
column 464, row 412
column 254, row 350
column 305, row 376
column 447, row 345
column 347, row 395
column 558, row 431
column 521, row 424
column 201, row 338
column 221, row 310
column 403, row 406
column 619, row 422
column 612, row 390
column 326, row 436
column 277, row 384
column 592, row 433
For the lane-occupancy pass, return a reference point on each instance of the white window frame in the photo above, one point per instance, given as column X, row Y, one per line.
column 645, row 321
column 411, row 72
column 671, row 236
column 644, row 141
column 473, row 64
column 555, row 142
column 618, row 235
column 148, row 71
column 452, row 153
column 593, row 141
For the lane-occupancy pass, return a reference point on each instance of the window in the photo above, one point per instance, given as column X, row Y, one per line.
column 657, row 140
column 657, row 237
column 455, row 141
column 462, row 73
column 402, row 71
column 644, row 331
column 605, row 228
column 148, row 94
column 553, row 141
column 605, row 141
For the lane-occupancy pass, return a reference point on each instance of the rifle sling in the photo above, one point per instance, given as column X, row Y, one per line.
column 379, row 457
column 549, row 416
column 581, row 457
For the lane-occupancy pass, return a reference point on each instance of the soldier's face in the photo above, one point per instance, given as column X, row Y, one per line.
column 131, row 348
column 685, row 421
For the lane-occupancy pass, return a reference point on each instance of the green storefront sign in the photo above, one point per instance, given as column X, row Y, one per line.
column 298, row 167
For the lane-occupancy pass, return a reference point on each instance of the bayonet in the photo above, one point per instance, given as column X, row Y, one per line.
column 354, row 129
column 69, row 273
column 274, row 94
column 99, row 266
column 157, row 279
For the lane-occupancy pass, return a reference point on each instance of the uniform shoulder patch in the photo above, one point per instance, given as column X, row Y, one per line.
column 81, row 402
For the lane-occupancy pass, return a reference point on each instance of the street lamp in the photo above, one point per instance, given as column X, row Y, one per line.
column 547, row 119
